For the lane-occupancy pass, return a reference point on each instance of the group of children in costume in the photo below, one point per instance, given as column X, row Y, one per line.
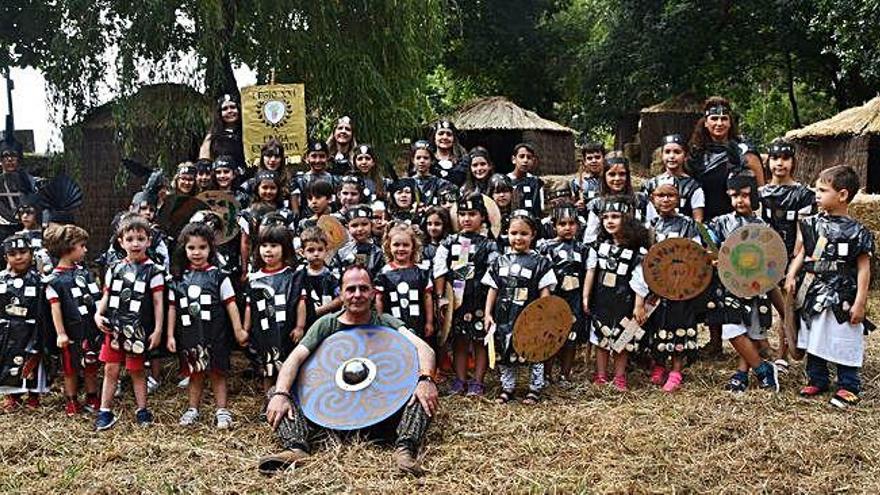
column 583, row 241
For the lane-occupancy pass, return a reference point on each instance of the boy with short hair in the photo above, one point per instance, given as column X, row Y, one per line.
column 320, row 285
column 134, row 307
column 360, row 249
column 319, row 194
column 586, row 185
column 527, row 187
column 833, row 323
column 316, row 158
column 744, row 322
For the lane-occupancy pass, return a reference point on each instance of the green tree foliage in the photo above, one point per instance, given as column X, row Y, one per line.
column 363, row 58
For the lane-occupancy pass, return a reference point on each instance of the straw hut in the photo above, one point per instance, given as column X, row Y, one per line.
column 851, row 137
column 498, row 124
column 675, row 115
column 95, row 141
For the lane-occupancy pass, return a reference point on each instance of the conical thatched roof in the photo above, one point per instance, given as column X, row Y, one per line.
column 852, row 122
column 499, row 113
column 683, row 103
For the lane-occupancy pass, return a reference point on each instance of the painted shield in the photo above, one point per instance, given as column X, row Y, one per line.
column 274, row 111
column 336, row 233
column 752, row 260
column 224, row 204
column 677, row 269
column 542, row 329
column 448, row 311
column 494, row 214
column 176, row 212
column 358, row 378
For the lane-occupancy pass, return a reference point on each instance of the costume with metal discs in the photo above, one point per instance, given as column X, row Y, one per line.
column 130, row 305
column 517, row 277
column 687, row 188
column 587, row 188
column 250, row 218
column 674, row 226
column 202, row 330
column 454, row 170
column 712, row 166
column 429, row 188
column 429, row 250
column 723, row 306
column 530, row 190
column 617, row 273
column 21, row 339
column 362, row 253
column 463, row 259
column 78, row 294
column 319, row 289
column 834, row 284
column 569, row 262
column 783, row 205
column 272, row 298
column 404, row 292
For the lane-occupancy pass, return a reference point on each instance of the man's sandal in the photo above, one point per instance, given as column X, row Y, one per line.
column 532, row 398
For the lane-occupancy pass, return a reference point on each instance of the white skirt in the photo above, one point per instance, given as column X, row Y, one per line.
column 40, row 388
column 839, row 343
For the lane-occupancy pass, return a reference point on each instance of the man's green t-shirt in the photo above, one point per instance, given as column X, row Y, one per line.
column 329, row 324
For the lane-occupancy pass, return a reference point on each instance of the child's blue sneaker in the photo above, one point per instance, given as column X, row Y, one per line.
column 768, row 374
column 738, row 383
column 105, row 420
column 144, row 417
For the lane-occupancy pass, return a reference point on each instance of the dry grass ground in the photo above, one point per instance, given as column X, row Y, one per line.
column 584, row 439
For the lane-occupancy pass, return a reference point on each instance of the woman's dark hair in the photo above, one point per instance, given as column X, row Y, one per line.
column 198, row 229
column 445, row 219
column 477, row 152
column 218, row 126
column 458, row 150
column 700, row 136
column 611, row 159
column 274, row 234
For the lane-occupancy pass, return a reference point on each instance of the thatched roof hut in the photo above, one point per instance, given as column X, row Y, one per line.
column 851, row 137
column 675, row 115
column 498, row 124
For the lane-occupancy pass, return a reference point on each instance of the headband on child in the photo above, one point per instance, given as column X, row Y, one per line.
column 359, row 211
column 16, row 242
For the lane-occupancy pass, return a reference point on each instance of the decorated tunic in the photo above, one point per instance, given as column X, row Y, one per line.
column 530, row 191
column 21, row 341
column 569, row 262
column 272, row 298
column 463, row 259
column 130, row 304
column 618, row 277
column 782, row 206
column 404, row 293
column 77, row 293
column 690, row 194
column 362, row 253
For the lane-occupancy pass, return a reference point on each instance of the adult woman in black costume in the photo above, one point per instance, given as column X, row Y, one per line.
column 225, row 135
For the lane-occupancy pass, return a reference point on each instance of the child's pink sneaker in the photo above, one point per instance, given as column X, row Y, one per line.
column 600, row 379
column 658, row 375
column 673, row 383
column 620, row 383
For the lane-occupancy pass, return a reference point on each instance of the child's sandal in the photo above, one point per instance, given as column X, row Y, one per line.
column 504, row 397
column 532, row 398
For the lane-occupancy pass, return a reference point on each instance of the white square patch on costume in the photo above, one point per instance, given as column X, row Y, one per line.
column 30, row 291
column 414, row 294
column 83, row 310
column 622, row 268
column 264, row 324
column 205, row 299
column 280, row 316
column 185, row 320
column 74, row 291
column 627, row 254
column 503, row 271
column 414, row 310
column 842, row 249
column 790, row 215
column 526, row 273
column 395, row 312
column 261, row 305
column 135, row 306
column 206, row 315
column 116, row 286
column 280, row 300
column 114, row 302
column 604, row 248
column 140, row 286
column 93, row 288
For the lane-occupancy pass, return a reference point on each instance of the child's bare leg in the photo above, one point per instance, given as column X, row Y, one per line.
column 108, row 388
column 460, row 357
column 139, row 385
column 566, row 359
column 194, row 391
column 677, row 363
column 620, row 362
column 601, row 361
column 745, row 347
column 481, row 361
column 91, row 380
column 218, row 385
column 71, row 383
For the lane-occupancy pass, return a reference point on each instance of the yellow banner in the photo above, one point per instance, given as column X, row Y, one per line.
column 274, row 111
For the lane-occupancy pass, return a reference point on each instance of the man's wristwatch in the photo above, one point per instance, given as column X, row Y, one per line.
column 426, row 378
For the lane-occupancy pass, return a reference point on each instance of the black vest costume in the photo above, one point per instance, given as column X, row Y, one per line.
column 78, row 295
column 454, row 171
column 273, row 300
column 528, row 189
column 21, row 340
column 202, row 321
column 674, row 227
column 569, row 262
column 835, row 284
column 404, row 292
column 685, row 185
column 781, row 207
column 429, row 187
column 517, row 276
column 130, row 306
column 712, row 167
column 468, row 258
column 319, row 290
column 367, row 254
column 612, row 297
column 299, row 185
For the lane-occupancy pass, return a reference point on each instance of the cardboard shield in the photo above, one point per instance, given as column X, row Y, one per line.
column 752, row 260
column 336, row 233
column 542, row 328
column 227, row 207
column 677, row 269
column 448, row 311
column 358, row 378
column 176, row 212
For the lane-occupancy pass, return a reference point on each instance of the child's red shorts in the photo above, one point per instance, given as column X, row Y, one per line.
column 133, row 362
